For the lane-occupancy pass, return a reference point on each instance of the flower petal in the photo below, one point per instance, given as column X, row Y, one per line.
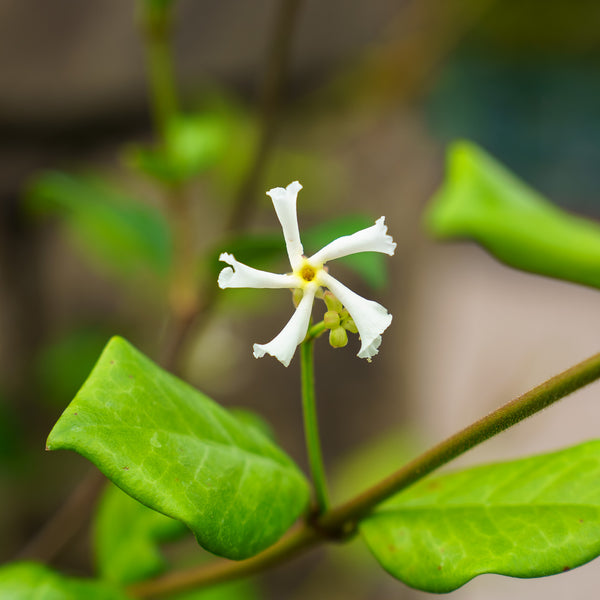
column 371, row 239
column 284, row 201
column 283, row 346
column 371, row 318
column 243, row 276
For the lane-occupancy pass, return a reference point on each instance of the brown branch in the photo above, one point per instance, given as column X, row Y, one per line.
column 269, row 99
column 196, row 314
column 298, row 539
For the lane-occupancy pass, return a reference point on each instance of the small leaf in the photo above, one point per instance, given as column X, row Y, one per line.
column 178, row 452
column 121, row 233
column 193, row 143
column 127, row 536
column 483, row 201
column 526, row 518
column 32, row 581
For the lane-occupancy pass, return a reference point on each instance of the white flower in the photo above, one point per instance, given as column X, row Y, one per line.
column 308, row 274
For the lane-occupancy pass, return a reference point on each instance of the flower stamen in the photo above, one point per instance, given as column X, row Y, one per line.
column 308, row 273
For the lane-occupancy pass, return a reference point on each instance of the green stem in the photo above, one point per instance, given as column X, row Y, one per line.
column 341, row 520
column 311, row 428
column 155, row 22
column 314, row 331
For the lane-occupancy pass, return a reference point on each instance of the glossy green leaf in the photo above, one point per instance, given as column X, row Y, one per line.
column 526, row 518
column 127, row 535
column 112, row 228
column 180, row 453
column 32, row 581
column 483, row 201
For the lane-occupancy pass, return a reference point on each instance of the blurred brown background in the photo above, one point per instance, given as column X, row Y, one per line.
column 374, row 92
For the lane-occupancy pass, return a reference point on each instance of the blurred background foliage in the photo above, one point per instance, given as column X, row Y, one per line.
column 113, row 210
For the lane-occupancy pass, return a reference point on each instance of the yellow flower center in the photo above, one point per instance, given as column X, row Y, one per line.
column 307, row 273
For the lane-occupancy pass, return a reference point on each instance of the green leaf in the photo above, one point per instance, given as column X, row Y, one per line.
column 127, row 535
column 193, row 143
column 483, row 201
column 109, row 226
column 178, row 452
column 526, row 518
column 32, row 581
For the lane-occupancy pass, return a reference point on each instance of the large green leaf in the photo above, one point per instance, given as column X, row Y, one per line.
column 127, row 536
column 32, row 581
column 527, row 518
column 180, row 453
column 483, row 201
column 112, row 228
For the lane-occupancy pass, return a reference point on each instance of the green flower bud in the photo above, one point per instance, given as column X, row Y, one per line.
column 332, row 302
column 297, row 294
column 349, row 325
column 331, row 319
column 338, row 337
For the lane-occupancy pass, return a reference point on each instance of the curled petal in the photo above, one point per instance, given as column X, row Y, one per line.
column 372, row 239
column 240, row 275
column 371, row 318
column 283, row 346
column 284, row 201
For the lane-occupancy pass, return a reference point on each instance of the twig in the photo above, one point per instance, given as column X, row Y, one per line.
column 180, row 325
column 341, row 521
column 270, row 98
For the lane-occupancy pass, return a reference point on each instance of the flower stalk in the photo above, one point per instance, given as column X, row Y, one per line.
column 311, row 427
